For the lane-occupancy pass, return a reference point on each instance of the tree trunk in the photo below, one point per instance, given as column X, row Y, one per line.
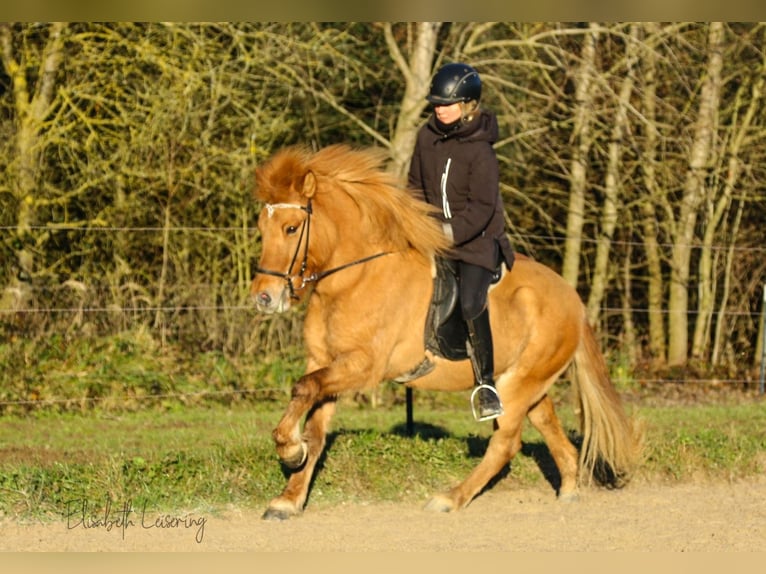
column 417, row 73
column 612, row 183
column 693, row 196
column 719, row 210
column 578, row 176
column 628, row 343
column 654, row 278
column 726, row 288
column 31, row 106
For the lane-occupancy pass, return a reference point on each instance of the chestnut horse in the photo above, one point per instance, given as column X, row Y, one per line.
column 337, row 229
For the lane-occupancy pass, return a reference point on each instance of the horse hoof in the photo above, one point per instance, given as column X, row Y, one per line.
column 439, row 504
column 569, row 497
column 277, row 514
column 297, row 459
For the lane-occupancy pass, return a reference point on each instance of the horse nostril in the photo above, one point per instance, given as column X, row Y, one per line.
column 264, row 298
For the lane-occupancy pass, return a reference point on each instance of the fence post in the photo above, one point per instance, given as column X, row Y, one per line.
column 410, row 423
column 763, row 339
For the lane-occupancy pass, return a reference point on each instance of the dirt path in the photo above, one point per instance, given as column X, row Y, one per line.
column 642, row 517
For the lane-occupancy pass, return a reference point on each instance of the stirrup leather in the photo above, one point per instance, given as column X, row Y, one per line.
column 475, row 404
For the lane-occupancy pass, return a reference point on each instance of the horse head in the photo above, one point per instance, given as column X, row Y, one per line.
column 286, row 187
column 362, row 214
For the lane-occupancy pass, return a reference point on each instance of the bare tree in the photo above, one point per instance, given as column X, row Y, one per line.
column 32, row 68
column 719, row 205
column 582, row 139
column 651, row 186
column 612, row 183
column 416, row 63
column 694, row 193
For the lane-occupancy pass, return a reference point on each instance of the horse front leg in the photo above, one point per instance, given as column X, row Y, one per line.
column 313, row 394
column 291, row 446
column 306, row 449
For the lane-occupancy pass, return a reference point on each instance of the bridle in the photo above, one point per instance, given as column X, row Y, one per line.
column 305, row 231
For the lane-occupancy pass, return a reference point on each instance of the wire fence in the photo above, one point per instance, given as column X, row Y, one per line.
column 744, row 381
column 282, row 390
column 182, row 397
column 523, row 238
column 262, row 393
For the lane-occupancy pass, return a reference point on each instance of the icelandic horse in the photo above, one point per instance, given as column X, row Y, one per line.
column 337, row 229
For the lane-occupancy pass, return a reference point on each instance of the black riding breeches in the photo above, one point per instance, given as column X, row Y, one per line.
column 474, row 282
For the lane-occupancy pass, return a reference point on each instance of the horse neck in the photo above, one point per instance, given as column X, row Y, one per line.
column 342, row 235
column 347, row 244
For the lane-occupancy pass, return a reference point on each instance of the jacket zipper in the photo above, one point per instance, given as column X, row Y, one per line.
column 445, row 202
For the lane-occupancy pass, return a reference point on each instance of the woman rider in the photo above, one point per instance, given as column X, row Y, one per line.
column 454, row 167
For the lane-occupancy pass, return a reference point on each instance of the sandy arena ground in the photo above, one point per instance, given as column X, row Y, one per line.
column 641, row 517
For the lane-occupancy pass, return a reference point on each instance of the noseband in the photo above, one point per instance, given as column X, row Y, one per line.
column 305, row 231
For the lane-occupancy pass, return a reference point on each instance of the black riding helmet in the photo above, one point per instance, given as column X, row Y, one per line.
column 454, row 83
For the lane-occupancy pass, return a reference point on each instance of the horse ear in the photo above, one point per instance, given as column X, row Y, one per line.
column 309, row 184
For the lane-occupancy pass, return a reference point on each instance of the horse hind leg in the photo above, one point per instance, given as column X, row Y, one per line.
column 293, row 498
column 543, row 417
column 503, row 445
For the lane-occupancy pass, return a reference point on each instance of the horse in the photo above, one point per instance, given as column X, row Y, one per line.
column 340, row 234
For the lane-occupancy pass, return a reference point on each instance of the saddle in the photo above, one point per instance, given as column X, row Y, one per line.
column 446, row 331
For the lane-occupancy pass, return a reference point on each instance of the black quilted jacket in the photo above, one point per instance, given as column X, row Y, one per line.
column 458, row 173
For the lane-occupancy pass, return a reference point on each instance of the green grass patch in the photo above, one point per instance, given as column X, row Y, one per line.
column 205, row 457
column 705, row 441
column 200, row 457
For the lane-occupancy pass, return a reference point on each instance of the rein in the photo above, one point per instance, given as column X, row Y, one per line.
column 305, row 230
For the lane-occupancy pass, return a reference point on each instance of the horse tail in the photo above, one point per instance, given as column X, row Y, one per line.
column 611, row 440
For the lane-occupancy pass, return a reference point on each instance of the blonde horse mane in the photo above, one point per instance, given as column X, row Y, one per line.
column 390, row 213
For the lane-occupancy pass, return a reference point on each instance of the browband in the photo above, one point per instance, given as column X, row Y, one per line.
column 270, row 207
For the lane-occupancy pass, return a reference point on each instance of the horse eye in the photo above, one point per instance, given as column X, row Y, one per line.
column 291, row 229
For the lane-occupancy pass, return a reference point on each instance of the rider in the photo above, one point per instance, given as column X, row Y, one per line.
column 454, row 167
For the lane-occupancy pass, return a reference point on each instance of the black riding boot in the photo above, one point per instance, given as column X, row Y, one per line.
column 485, row 401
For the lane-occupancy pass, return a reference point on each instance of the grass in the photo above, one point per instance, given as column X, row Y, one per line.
column 206, row 457
column 132, row 372
column 707, row 441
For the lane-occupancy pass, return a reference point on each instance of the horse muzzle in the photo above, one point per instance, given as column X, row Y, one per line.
column 271, row 301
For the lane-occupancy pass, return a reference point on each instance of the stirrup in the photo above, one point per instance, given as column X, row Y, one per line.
column 488, row 413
